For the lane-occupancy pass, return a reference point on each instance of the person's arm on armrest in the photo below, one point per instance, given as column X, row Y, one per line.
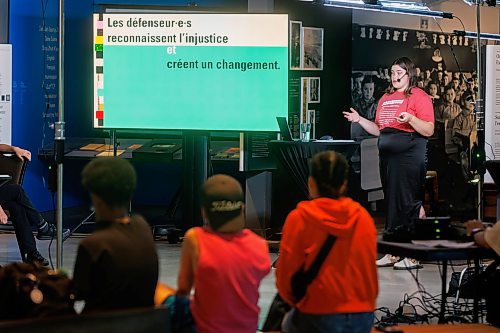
column 6, row 148
column 16, row 150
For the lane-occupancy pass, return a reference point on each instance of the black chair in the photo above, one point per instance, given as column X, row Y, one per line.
column 15, row 167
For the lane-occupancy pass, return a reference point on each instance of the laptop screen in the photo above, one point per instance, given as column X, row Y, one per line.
column 285, row 132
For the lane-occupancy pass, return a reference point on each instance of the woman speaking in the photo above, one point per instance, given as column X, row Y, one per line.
column 403, row 122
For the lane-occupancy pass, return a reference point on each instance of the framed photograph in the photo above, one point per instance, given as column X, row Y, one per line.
column 312, row 57
column 313, row 94
column 304, row 92
column 295, row 45
column 311, row 116
column 424, row 23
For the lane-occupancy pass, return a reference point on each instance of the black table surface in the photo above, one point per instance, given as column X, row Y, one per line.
column 444, row 254
column 425, row 253
column 152, row 150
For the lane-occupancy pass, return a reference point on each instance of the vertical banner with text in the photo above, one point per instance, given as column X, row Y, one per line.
column 492, row 104
column 5, row 93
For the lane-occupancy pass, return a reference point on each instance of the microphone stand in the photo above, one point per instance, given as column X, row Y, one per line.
column 479, row 109
column 59, row 138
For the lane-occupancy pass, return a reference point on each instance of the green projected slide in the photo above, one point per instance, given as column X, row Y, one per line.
column 190, row 71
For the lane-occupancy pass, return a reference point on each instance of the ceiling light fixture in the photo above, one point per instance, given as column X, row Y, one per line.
column 473, row 34
column 387, row 6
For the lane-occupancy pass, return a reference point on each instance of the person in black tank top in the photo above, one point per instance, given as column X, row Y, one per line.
column 116, row 266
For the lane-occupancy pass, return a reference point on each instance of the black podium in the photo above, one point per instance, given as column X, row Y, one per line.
column 493, row 168
column 292, row 170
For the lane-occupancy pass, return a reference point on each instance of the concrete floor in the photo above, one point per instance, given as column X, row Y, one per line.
column 393, row 284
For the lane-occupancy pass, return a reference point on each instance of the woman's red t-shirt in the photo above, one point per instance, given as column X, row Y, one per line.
column 390, row 107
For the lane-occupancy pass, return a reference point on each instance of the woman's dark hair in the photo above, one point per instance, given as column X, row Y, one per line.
column 329, row 169
column 112, row 179
column 408, row 65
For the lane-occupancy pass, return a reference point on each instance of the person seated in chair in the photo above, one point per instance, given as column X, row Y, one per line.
column 489, row 237
column 24, row 215
column 483, row 236
column 223, row 262
column 342, row 296
column 117, row 266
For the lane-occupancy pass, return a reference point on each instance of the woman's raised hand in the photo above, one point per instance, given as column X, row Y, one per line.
column 352, row 116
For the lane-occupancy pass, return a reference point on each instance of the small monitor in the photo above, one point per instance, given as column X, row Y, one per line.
column 433, row 228
column 285, row 132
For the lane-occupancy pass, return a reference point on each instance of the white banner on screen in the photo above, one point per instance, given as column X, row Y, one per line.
column 5, row 93
column 194, row 29
column 492, row 105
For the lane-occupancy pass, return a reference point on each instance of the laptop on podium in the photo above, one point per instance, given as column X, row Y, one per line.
column 285, row 132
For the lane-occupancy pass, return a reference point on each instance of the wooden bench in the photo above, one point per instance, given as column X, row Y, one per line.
column 459, row 328
column 143, row 320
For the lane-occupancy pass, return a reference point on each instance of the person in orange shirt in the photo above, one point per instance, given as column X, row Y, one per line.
column 342, row 296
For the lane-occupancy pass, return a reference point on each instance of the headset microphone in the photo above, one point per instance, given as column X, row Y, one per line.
column 399, row 80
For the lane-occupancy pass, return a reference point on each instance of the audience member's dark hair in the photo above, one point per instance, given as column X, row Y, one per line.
column 329, row 169
column 112, row 179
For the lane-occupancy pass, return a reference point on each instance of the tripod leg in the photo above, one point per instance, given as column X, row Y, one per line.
column 84, row 221
column 174, row 204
